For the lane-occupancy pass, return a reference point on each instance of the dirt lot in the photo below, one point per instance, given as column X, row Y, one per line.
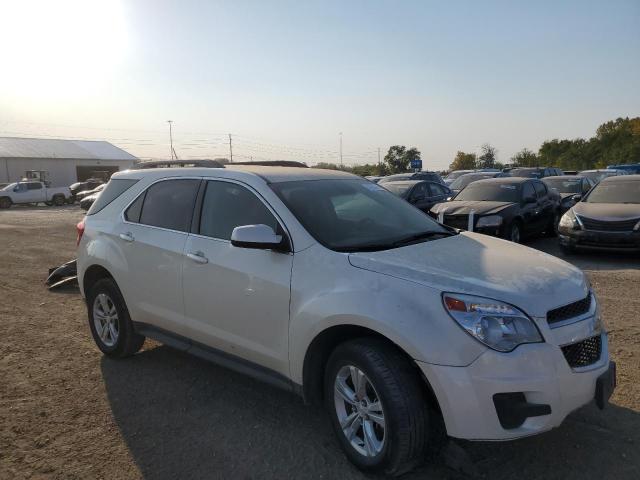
column 68, row 412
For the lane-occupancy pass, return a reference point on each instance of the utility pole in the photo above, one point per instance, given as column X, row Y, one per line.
column 379, row 156
column 230, row 149
column 341, row 165
column 170, row 137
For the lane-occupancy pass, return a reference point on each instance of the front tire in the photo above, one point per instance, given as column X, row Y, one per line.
column 514, row 233
column 109, row 321
column 5, row 202
column 377, row 406
column 552, row 228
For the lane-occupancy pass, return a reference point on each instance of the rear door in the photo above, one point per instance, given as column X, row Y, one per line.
column 237, row 299
column 152, row 237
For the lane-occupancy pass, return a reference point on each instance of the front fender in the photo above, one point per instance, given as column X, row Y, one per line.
column 409, row 315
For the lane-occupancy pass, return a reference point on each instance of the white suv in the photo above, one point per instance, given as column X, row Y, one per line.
column 328, row 285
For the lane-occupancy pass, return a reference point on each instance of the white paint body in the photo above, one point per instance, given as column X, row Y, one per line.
column 18, row 192
column 267, row 307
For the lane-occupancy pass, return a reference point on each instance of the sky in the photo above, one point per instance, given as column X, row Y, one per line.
column 286, row 78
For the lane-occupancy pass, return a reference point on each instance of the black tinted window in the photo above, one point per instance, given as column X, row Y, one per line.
column 34, row 186
column 436, row 190
column 541, row 190
column 133, row 212
column 169, row 204
column 227, row 206
column 528, row 191
column 113, row 190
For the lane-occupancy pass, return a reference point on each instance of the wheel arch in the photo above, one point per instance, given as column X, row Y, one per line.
column 326, row 341
column 92, row 274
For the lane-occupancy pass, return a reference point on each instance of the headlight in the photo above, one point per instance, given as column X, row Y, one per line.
column 496, row 324
column 568, row 220
column 490, row 221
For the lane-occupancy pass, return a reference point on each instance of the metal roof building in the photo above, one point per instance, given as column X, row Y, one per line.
column 66, row 161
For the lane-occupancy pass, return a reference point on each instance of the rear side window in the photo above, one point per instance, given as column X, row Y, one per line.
column 528, row 191
column 227, row 205
column 113, row 190
column 169, row 204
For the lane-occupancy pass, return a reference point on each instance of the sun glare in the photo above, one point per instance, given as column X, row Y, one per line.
column 59, row 47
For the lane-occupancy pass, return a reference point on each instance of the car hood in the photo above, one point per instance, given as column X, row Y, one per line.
column 607, row 211
column 464, row 207
column 482, row 265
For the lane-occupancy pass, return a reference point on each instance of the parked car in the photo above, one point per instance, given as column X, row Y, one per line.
column 328, row 285
column 419, row 193
column 571, row 188
column 464, row 180
column 535, row 172
column 430, row 176
column 510, row 208
column 630, row 168
column 454, row 175
column 88, row 184
column 608, row 217
column 33, row 192
column 87, row 201
column 86, row 193
column 600, row 174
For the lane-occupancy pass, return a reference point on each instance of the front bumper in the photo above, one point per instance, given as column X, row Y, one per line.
column 627, row 241
column 539, row 371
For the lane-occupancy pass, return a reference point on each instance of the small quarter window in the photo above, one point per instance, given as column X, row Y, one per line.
column 113, row 190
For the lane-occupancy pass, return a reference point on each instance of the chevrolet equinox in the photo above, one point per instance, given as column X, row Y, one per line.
column 330, row 286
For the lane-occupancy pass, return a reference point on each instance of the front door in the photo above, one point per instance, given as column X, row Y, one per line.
column 237, row 299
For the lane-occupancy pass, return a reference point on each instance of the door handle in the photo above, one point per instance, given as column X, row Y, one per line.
column 198, row 257
column 127, row 237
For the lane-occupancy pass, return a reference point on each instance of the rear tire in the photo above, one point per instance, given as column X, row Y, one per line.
column 58, row 200
column 383, row 426
column 109, row 320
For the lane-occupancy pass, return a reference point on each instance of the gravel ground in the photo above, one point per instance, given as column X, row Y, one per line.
column 68, row 412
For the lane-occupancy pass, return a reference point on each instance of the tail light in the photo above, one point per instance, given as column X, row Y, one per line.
column 80, row 230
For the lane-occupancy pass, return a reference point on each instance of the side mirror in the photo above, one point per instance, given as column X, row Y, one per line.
column 576, row 198
column 258, row 236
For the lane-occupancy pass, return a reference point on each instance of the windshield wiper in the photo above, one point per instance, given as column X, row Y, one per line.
column 420, row 237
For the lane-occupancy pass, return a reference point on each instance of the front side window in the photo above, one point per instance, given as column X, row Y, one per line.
column 228, row 205
column 34, row 186
column 355, row 215
column 541, row 190
column 169, row 204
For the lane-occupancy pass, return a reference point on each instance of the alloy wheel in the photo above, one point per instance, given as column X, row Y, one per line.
column 359, row 410
column 515, row 233
column 105, row 319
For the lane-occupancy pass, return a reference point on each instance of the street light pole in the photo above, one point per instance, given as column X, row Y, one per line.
column 170, row 137
column 341, row 165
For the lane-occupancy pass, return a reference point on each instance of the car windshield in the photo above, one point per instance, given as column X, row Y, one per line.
column 396, row 178
column 398, row 188
column 526, row 172
column 490, row 192
column 456, row 174
column 615, row 192
column 11, row 186
column 564, row 186
column 465, row 180
column 596, row 176
column 356, row 215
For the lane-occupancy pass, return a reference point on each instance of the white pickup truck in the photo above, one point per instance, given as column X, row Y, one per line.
column 33, row 192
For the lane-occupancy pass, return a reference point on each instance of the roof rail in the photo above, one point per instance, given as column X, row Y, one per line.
column 273, row 163
column 177, row 163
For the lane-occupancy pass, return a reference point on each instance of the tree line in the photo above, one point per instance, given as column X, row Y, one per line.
column 615, row 142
